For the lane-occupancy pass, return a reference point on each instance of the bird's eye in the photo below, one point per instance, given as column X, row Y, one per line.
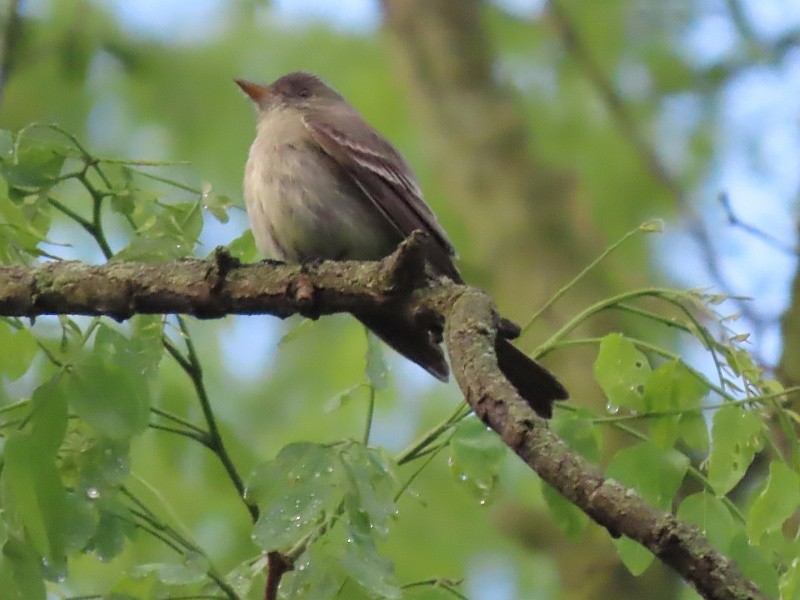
column 304, row 92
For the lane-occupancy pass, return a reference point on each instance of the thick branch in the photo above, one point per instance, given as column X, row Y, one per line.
column 215, row 288
column 470, row 337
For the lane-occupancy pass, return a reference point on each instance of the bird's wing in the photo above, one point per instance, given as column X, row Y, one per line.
column 385, row 178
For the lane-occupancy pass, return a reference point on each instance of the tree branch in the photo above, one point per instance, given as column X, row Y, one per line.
column 212, row 288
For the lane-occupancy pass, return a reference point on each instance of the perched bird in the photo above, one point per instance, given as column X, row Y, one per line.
column 320, row 183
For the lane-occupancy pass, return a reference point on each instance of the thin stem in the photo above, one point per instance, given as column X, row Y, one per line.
column 168, row 181
column 644, row 227
column 161, row 530
column 429, row 436
column 198, row 437
column 370, row 413
column 176, row 419
column 97, row 225
column 419, row 470
column 71, row 214
column 444, row 584
column 191, row 365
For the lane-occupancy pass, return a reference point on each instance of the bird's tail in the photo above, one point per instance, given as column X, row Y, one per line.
column 412, row 341
column 538, row 386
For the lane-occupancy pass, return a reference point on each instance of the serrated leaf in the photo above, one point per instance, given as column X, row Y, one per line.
column 777, row 502
column 295, row 492
column 754, row 565
column 578, row 430
column 476, row 455
column 37, row 163
column 656, row 474
column 790, row 582
column 735, row 439
column 21, row 576
column 102, row 467
column 192, row 569
column 106, row 389
column 621, row 371
column 317, row 574
column 372, row 480
column 244, row 247
column 215, row 204
column 568, row 517
column 671, row 388
column 38, row 495
column 712, row 517
column 17, row 350
column 112, row 531
column 365, row 565
column 49, row 413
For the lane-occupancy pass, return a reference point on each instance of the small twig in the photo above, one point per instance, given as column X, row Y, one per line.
column 370, row 414
column 277, row 566
column 193, row 369
column 764, row 236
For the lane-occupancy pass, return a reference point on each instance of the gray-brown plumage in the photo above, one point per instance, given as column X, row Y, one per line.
column 320, row 183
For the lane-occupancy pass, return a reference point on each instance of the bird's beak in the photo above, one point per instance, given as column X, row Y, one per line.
column 257, row 93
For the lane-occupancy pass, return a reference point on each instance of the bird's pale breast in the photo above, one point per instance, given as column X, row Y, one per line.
column 302, row 205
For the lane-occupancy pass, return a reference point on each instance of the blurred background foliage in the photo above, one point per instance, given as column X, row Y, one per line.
column 541, row 132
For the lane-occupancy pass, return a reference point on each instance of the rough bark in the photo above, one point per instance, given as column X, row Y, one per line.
column 222, row 286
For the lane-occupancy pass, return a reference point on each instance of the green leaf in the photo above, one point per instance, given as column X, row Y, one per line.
column 777, row 502
column 81, row 520
column 6, row 144
column 754, row 565
column 578, row 430
column 20, row 233
column 317, row 574
column 192, row 569
column 217, row 205
column 17, row 350
column 184, row 221
column 244, row 247
column 790, row 582
column 112, row 531
column 735, row 439
column 146, row 348
column 37, row 163
column 656, row 474
column 364, row 564
column 712, row 517
column 107, row 390
column 164, row 232
column 372, row 481
column 102, row 467
column 295, row 493
column 39, row 497
column 21, row 576
column 476, row 455
column 671, row 388
column 693, row 430
column 621, row 371
column 568, row 517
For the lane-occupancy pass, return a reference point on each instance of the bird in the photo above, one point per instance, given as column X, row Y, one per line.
column 320, row 183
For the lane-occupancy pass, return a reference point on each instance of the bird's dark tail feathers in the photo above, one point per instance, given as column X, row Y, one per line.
column 538, row 386
column 412, row 341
